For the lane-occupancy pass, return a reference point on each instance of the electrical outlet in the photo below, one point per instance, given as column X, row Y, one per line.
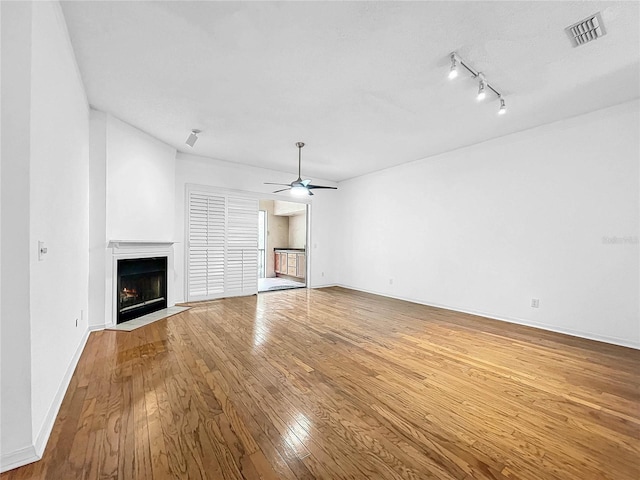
column 391, row 281
column 323, row 274
column 535, row 303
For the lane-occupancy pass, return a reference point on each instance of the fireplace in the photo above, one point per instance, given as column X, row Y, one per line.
column 141, row 287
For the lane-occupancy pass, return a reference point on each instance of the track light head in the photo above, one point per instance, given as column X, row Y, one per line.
column 453, row 71
column 193, row 138
column 482, row 88
column 503, row 107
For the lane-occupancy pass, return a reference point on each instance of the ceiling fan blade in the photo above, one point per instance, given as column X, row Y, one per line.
column 320, row 186
column 284, row 189
column 305, row 182
column 282, row 184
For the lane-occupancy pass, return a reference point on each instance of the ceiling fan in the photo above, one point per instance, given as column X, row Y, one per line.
column 299, row 187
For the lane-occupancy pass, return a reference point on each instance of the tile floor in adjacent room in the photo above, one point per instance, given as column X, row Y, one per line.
column 278, row 283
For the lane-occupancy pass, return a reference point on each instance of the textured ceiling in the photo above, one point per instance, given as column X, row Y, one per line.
column 363, row 84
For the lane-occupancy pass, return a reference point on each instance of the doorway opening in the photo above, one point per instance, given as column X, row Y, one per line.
column 285, row 245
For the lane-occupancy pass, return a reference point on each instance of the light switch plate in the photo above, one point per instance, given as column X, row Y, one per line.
column 42, row 250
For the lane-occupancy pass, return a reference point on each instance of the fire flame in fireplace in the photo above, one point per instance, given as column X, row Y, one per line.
column 129, row 293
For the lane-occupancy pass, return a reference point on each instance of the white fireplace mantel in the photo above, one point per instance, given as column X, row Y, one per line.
column 138, row 244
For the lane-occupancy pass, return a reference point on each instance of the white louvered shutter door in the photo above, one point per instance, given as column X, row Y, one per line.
column 206, row 246
column 216, row 246
column 242, row 246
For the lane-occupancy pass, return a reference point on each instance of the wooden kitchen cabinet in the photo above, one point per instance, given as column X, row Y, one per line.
column 291, row 263
column 278, row 256
column 301, row 265
column 281, row 265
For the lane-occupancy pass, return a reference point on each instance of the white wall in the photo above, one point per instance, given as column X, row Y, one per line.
column 489, row 227
column 46, row 170
column 132, row 177
column 326, row 237
column 98, row 257
column 15, row 416
column 140, row 184
column 298, row 231
column 59, row 211
column 1, row 156
column 216, row 173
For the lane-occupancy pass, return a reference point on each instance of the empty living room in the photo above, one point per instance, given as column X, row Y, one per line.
column 439, row 199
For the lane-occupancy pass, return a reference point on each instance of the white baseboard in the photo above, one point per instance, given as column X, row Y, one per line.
column 519, row 321
column 18, row 458
column 96, row 328
column 50, row 418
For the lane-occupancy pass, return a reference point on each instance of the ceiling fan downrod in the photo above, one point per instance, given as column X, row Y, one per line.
column 299, row 145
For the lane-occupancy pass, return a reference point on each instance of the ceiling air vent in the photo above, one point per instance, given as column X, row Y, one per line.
column 591, row 28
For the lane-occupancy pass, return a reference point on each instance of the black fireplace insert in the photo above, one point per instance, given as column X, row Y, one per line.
column 142, row 287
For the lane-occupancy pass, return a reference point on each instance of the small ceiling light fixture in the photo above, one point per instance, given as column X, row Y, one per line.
column 482, row 94
column 453, row 71
column 193, row 138
column 503, row 107
column 483, row 85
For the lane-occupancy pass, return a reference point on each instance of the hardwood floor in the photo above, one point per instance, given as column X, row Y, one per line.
column 333, row 384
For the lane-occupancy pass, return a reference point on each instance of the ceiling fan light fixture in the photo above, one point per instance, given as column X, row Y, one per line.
column 299, row 191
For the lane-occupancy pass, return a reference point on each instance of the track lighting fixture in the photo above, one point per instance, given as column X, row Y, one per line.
column 482, row 94
column 503, row 107
column 483, row 85
column 193, row 138
column 453, row 71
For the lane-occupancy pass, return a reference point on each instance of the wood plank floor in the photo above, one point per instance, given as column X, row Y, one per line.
column 333, row 384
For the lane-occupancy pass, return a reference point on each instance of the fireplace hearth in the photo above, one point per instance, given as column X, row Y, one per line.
column 141, row 287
